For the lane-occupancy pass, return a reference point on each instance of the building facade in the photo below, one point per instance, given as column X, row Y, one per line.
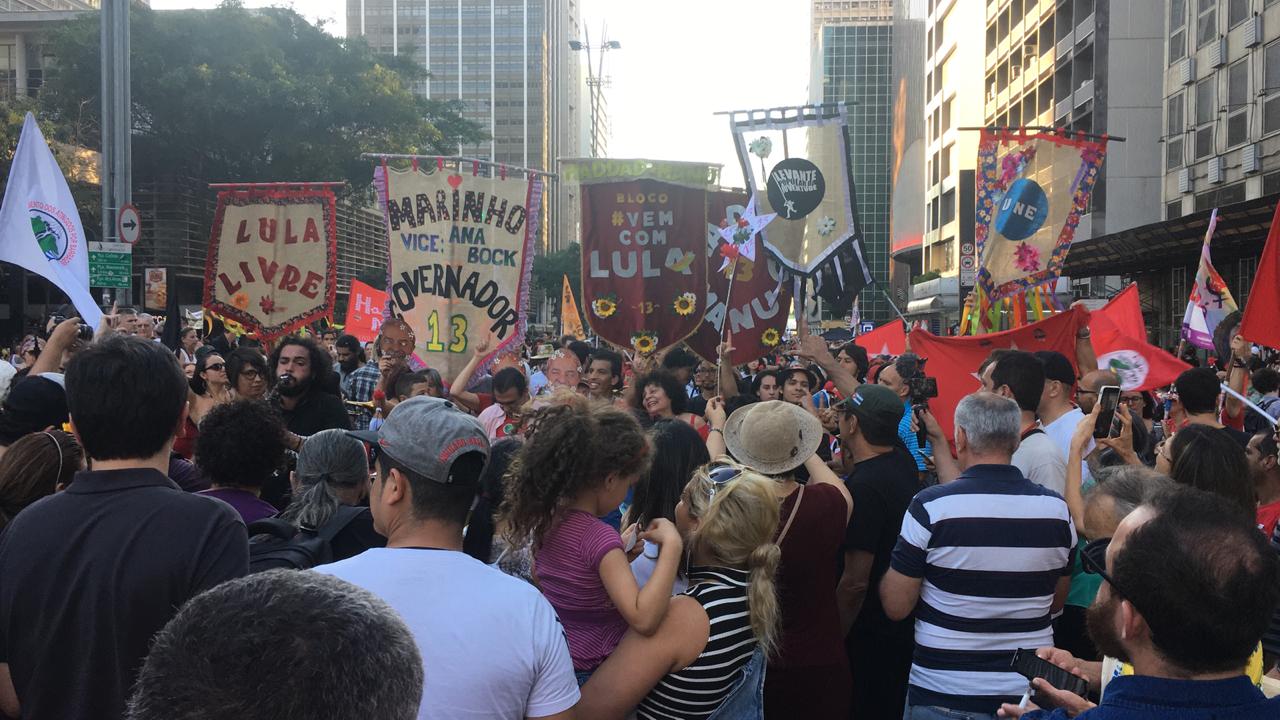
column 508, row 63
column 854, row 66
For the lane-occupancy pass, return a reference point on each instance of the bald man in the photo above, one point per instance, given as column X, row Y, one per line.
column 1090, row 385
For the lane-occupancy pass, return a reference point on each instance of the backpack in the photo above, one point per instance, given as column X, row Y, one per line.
column 276, row 543
column 1253, row 424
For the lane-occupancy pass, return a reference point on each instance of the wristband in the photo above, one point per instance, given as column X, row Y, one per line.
column 715, row 430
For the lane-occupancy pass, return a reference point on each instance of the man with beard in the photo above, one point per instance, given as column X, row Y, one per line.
column 1265, row 469
column 604, row 375
column 704, row 382
column 1091, row 385
column 1188, row 588
column 563, row 372
column 306, row 389
column 357, row 379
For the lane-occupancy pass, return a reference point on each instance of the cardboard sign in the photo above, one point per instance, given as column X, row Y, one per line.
column 273, row 258
column 460, row 251
column 758, row 299
column 364, row 311
column 644, row 261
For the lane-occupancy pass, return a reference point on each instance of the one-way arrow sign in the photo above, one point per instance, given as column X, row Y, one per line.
column 129, row 224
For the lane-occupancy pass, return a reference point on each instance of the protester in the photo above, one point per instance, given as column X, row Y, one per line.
column 1091, row 386
column 247, row 373
column 766, row 386
column 881, row 484
column 490, row 644
column 484, row 539
column 1209, row 459
column 575, row 469
column 146, row 327
column 1264, row 469
column 503, row 413
column 422, row 382
column 1019, row 376
column 332, row 476
column 896, row 377
column 953, row 561
column 853, row 357
column 1266, row 381
column 307, row 389
column 678, row 450
column 659, row 395
column 604, row 375
column 36, row 465
column 681, row 363
column 189, row 342
column 1188, row 587
column 209, row 389
column 89, row 608
column 219, row 338
column 1197, row 403
column 705, row 379
column 706, row 657
column 208, row 662
column 1058, row 414
column 809, row 674
column 34, row 404
column 241, row 445
column 356, row 378
column 563, row 372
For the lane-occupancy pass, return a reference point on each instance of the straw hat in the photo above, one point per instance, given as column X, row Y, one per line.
column 772, row 437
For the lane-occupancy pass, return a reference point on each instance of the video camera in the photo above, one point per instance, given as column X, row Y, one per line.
column 920, row 387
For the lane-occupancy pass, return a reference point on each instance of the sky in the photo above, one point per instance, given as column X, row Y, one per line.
column 681, row 61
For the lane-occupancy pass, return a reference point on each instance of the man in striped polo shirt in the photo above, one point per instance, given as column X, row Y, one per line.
column 983, row 562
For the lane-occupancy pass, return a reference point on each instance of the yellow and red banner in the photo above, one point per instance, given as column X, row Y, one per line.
column 570, row 319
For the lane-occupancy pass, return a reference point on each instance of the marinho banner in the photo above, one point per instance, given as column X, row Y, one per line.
column 460, row 249
column 796, row 164
column 755, row 303
column 644, row 259
column 273, row 258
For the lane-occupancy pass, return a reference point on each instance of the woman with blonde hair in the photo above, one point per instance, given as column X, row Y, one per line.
column 706, row 659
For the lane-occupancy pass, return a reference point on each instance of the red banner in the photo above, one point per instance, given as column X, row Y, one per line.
column 758, row 300
column 644, row 264
column 273, row 258
column 954, row 361
column 888, row 339
column 364, row 311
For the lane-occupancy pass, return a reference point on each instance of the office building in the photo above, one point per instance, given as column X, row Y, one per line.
column 509, row 64
column 853, row 58
column 23, row 57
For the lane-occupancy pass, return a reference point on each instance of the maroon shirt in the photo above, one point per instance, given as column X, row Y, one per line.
column 807, row 578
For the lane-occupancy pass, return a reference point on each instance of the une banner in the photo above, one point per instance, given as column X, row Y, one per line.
column 460, row 250
column 644, row 260
column 273, row 258
column 364, row 311
column 756, row 303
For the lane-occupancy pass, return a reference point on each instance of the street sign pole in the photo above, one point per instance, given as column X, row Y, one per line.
column 117, row 122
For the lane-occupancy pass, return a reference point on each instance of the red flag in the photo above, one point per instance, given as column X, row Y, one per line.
column 1140, row 365
column 954, row 361
column 1259, row 325
column 1124, row 312
column 888, row 339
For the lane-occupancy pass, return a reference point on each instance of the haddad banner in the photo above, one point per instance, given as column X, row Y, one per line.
column 644, row 261
column 757, row 301
column 273, row 258
column 460, row 249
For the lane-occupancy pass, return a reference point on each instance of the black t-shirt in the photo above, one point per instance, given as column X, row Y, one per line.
column 88, row 576
column 316, row 411
column 882, row 488
column 1239, row 436
column 356, row 537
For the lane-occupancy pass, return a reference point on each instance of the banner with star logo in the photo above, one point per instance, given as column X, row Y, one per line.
column 749, row 293
column 273, row 257
column 644, row 261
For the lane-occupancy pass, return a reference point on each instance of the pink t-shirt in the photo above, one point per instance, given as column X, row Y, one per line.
column 568, row 570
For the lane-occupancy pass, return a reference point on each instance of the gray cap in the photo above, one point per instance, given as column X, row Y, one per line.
column 426, row 435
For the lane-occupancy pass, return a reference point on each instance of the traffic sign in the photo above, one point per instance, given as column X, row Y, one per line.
column 129, row 224
column 110, row 269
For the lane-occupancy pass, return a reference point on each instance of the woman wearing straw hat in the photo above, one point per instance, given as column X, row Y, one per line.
column 809, row 674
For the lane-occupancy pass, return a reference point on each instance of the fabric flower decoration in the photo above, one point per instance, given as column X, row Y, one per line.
column 826, row 225
column 1026, row 258
column 645, row 342
column 604, row 307
column 771, row 337
column 761, row 147
column 268, row 305
column 240, row 300
column 685, row 304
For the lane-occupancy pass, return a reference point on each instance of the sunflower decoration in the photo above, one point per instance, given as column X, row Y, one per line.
column 771, row 337
column 645, row 341
column 605, row 307
column 240, row 300
column 685, row 304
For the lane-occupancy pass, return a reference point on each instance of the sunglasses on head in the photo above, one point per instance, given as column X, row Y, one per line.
column 720, row 476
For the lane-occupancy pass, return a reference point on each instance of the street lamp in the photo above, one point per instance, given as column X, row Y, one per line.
column 595, row 81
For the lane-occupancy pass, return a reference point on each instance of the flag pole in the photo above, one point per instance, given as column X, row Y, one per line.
column 884, row 292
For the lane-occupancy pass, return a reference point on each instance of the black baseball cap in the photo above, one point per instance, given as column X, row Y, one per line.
column 1057, row 367
column 874, row 406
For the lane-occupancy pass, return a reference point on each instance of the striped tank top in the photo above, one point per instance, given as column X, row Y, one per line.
column 700, row 688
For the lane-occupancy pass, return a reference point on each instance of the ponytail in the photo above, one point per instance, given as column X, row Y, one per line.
column 762, row 596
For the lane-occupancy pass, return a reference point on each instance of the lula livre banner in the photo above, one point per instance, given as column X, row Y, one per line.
column 644, row 261
column 757, row 302
column 273, row 258
column 460, row 249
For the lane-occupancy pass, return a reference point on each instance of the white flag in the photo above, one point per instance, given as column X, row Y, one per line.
column 40, row 228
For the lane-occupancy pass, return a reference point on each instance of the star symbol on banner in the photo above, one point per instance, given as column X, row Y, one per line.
column 750, row 222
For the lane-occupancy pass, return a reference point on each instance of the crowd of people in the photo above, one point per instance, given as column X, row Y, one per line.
column 329, row 528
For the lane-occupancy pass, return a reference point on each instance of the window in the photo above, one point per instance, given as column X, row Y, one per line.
column 948, row 206
column 1271, row 89
column 1206, row 21
column 1175, row 122
column 1173, row 210
column 1238, row 103
column 1237, row 12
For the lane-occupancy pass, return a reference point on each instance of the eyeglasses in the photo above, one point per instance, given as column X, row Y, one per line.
column 720, row 476
column 1082, row 391
column 216, row 366
column 1093, row 557
column 1132, row 400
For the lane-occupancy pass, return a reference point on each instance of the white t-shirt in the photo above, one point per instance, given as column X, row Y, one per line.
column 1061, row 432
column 492, row 646
column 1041, row 462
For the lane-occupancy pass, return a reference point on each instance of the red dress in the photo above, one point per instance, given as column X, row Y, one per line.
column 809, row 677
column 185, row 443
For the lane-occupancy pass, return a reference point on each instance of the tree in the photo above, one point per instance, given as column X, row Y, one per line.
column 550, row 269
column 251, row 95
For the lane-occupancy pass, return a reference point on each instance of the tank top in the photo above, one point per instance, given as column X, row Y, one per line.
column 697, row 690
